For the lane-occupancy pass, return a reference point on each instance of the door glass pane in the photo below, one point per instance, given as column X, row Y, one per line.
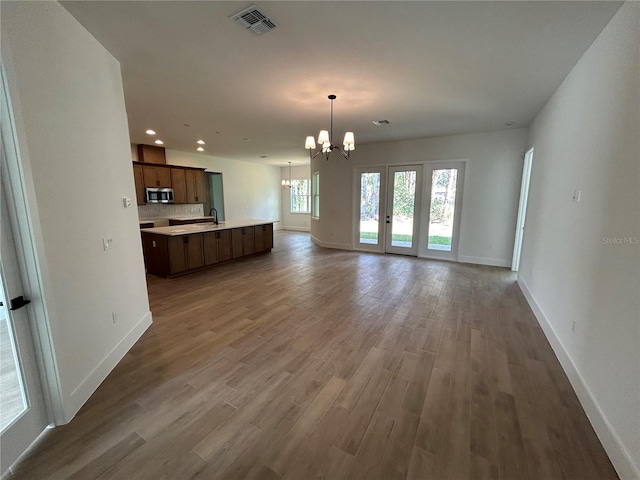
column 404, row 195
column 12, row 397
column 443, row 204
column 369, row 207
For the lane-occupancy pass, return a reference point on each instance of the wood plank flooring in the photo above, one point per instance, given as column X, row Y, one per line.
column 315, row 363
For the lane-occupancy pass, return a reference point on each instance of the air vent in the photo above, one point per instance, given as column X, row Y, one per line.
column 254, row 20
column 381, row 122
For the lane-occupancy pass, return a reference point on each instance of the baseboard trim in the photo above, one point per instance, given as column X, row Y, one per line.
column 618, row 454
column 493, row 262
column 339, row 246
column 297, row 229
column 89, row 385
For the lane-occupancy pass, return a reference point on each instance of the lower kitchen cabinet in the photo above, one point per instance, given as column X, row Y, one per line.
column 264, row 237
column 217, row 247
column 243, row 241
column 185, row 253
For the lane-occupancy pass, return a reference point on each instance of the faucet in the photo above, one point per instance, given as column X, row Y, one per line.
column 215, row 215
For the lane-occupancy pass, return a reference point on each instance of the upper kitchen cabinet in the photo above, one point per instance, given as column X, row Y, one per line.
column 195, row 186
column 151, row 154
column 156, row 176
column 139, row 181
column 179, row 185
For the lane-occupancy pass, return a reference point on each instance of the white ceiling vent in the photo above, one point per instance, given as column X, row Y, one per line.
column 254, row 20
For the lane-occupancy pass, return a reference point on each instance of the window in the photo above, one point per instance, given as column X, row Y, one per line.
column 315, row 192
column 300, row 196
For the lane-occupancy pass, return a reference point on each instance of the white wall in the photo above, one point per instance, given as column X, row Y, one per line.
column 251, row 190
column 586, row 137
column 294, row 221
column 73, row 137
column 490, row 203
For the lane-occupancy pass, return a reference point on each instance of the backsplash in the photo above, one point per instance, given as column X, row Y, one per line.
column 158, row 210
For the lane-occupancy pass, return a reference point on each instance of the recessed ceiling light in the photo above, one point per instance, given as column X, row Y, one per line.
column 263, row 156
column 200, row 149
column 246, row 140
column 186, row 124
column 508, row 124
column 218, row 133
column 200, row 142
column 151, row 132
column 159, row 142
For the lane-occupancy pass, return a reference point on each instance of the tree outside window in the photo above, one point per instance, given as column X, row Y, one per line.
column 315, row 190
column 300, row 196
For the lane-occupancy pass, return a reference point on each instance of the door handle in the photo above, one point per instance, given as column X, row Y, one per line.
column 19, row 302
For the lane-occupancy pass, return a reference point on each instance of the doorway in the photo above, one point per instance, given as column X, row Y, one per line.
column 410, row 210
column 214, row 194
column 403, row 209
column 522, row 209
column 22, row 411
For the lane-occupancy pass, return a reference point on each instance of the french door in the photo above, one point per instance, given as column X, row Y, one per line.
column 440, row 222
column 402, row 216
column 410, row 209
column 22, row 412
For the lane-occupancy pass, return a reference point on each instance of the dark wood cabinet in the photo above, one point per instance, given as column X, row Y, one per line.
column 195, row 186
column 151, row 154
column 179, row 185
column 243, row 241
column 236, row 243
column 167, row 256
column 217, row 246
column 185, row 253
column 157, row 176
column 139, row 182
column 264, row 238
column 188, row 183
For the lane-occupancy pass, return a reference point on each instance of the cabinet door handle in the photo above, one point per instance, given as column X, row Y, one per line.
column 185, row 239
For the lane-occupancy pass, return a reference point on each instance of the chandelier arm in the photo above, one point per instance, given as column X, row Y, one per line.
column 345, row 155
column 315, row 155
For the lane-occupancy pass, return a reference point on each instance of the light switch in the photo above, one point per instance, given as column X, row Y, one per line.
column 126, row 202
column 576, row 195
column 107, row 243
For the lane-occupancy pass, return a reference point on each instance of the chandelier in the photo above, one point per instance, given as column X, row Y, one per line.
column 287, row 183
column 324, row 141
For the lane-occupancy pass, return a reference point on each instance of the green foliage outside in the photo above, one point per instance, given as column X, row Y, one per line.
column 398, row 237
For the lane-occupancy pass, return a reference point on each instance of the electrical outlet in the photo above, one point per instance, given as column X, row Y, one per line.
column 126, row 202
column 107, row 243
column 573, row 326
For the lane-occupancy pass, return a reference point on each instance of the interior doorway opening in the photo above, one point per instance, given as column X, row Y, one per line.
column 214, row 194
column 522, row 209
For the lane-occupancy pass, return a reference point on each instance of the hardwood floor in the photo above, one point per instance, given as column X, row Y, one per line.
column 315, row 363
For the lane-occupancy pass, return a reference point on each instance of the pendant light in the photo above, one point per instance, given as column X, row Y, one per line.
column 287, row 183
column 324, row 140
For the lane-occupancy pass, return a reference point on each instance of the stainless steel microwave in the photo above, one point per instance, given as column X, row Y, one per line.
column 159, row 195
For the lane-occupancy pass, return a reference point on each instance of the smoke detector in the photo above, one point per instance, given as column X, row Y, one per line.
column 381, row 122
column 254, row 20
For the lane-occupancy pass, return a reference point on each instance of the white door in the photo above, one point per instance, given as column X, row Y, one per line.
column 441, row 213
column 402, row 216
column 522, row 209
column 22, row 412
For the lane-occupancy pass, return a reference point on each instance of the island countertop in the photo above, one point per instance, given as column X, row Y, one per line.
column 204, row 227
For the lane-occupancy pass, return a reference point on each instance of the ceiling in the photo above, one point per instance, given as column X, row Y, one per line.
column 430, row 68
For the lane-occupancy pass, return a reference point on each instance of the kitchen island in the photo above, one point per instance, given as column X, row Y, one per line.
column 179, row 249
